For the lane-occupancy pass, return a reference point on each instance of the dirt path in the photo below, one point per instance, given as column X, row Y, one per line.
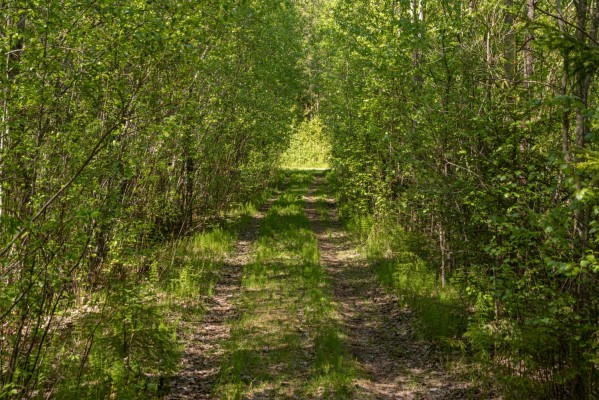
column 392, row 364
column 204, row 351
column 295, row 328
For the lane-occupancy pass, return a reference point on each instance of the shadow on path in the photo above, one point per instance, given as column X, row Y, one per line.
column 392, row 363
column 204, row 350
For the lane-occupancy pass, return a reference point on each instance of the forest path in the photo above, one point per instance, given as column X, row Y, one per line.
column 392, row 363
column 299, row 314
column 204, row 350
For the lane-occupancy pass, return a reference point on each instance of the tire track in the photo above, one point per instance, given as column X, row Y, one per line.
column 392, row 363
column 204, row 350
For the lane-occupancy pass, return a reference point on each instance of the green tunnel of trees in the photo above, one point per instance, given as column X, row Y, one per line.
column 462, row 133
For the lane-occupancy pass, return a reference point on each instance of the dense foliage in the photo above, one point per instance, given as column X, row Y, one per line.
column 124, row 124
column 309, row 147
column 467, row 131
column 463, row 140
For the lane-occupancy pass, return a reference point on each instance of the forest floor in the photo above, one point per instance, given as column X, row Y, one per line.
column 298, row 314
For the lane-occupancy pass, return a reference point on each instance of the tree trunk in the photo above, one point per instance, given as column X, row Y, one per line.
column 417, row 20
column 564, row 89
column 529, row 57
column 509, row 42
column 443, row 249
column 11, row 70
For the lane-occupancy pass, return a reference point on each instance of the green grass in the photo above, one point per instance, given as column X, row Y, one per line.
column 286, row 342
column 402, row 262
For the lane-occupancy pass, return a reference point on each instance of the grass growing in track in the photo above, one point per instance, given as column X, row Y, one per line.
column 285, row 343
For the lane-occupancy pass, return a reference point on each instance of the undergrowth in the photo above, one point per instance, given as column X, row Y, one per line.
column 125, row 341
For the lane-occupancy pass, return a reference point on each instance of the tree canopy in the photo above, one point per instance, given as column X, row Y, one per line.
column 462, row 134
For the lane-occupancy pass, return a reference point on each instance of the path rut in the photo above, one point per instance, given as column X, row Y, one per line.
column 392, row 362
column 204, row 350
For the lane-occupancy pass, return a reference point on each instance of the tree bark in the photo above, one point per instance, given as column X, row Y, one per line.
column 11, row 70
column 509, row 42
column 529, row 37
column 564, row 89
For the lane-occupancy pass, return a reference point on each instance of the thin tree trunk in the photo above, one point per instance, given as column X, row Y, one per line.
column 417, row 19
column 529, row 57
column 583, row 77
column 509, row 42
column 564, row 90
column 4, row 133
column 443, row 249
column 5, row 116
column 11, row 70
